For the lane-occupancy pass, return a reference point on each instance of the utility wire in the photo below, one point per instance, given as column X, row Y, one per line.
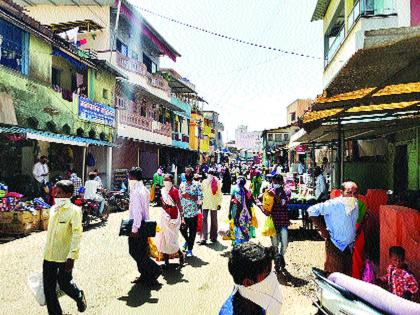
column 289, row 52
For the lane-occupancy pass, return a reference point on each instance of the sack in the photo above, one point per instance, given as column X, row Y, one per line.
column 148, row 228
column 36, row 285
column 269, row 229
column 200, row 223
column 268, row 201
column 152, row 193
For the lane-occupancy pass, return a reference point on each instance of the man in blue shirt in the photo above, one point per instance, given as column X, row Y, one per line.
column 338, row 227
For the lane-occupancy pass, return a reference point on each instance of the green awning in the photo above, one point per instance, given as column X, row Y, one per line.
column 320, row 10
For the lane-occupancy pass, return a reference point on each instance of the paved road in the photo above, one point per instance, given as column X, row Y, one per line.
column 105, row 270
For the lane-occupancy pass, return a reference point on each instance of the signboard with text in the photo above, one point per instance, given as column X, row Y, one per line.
column 96, row 112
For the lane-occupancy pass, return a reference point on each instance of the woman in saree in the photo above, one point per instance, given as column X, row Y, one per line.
column 170, row 221
column 240, row 212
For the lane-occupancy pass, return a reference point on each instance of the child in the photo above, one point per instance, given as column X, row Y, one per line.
column 400, row 281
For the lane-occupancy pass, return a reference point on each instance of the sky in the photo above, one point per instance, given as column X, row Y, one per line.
column 245, row 84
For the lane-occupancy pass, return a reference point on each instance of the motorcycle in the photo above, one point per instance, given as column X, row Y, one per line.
column 118, row 200
column 341, row 294
column 90, row 210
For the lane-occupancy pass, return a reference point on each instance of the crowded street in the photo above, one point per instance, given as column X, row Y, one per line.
column 105, row 271
column 184, row 157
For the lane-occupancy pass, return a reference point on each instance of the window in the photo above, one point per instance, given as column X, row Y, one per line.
column 293, row 116
column 270, row 137
column 143, row 111
column 105, row 94
column 286, row 137
column 278, row 137
column 14, row 44
column 122, row 48
column 56, row 77
column 150, row 65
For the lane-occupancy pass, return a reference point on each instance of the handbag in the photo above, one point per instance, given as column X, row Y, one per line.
column 147, row 229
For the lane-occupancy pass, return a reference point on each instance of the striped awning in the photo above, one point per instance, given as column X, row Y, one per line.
column 54, row 137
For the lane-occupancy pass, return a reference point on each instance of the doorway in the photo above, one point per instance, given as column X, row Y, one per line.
column 401, row 168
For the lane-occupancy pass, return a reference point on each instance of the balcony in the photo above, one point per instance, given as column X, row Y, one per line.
column 184, row 107
column 162, row 129
column 135, row 120
column 180, row 140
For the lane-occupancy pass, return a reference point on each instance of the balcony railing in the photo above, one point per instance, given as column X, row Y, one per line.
column 354, row 15
column 162, row 129
column 335, row 45
column 135, row 66
column 135, row 120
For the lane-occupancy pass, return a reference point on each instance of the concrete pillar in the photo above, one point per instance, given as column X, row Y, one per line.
column 109, row 167
column 84, row 165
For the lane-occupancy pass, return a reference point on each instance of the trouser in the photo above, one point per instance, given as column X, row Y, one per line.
column 139, row 250
column 54, row 272
column 101, row 202
column 337, row 260
column 189, row 230
column 280, row 240
column 213, row 226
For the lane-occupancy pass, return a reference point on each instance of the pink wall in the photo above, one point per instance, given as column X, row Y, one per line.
column 415, row 12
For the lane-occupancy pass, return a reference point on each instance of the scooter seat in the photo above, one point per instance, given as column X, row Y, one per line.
column 376, row 296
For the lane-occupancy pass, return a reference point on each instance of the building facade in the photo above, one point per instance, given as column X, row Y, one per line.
column 346, row 21
column 52, row 102
column 248, row 140
column 296, row 109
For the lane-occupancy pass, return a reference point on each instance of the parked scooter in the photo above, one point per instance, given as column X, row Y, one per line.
column 342, row 294
column 118, row 200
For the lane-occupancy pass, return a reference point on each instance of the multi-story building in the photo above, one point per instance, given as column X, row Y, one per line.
column 54, row 101
column 217, row 129
column 346, row 21
column 296, row 109
column 248, row 140
column 274, row 144
column 117, row 33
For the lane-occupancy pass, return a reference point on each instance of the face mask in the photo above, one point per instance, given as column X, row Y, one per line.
column 131, row 183
column 266, row 294
column 276, row 186
column 210, row 177
column 167, row 185
column 349, row 204
column 60, row 202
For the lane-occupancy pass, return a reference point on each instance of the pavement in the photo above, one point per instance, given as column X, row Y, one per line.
column 105, row 271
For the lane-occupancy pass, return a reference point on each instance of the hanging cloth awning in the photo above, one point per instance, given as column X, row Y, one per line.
column 54, row 137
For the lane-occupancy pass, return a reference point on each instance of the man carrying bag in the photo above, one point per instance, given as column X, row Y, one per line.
column 137, row 240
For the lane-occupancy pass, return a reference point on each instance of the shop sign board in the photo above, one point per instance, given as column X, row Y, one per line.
column 301, row 149
column 96, row 112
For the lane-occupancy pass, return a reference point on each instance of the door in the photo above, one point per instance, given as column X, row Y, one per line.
column 401, row 168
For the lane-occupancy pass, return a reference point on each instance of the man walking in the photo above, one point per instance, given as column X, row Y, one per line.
column 212, row 201
column 62, row 249
column 339, row 230
column 190, row 194
column 137, row 241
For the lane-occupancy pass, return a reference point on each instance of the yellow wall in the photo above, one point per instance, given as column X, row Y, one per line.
column 66, row 71
column 39, row 60
column 103, row 80
column 332, row 8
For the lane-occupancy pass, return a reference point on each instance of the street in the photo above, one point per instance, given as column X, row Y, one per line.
column 105, row 271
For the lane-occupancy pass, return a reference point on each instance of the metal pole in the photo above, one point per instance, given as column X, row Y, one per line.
column 114, row 35
column 84, row 164
column 340, row 152
column 109, row 168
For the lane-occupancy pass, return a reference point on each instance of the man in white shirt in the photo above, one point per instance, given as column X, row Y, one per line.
column 137, row 241
column 41, row 175
column 321, row 188
column 91, row 192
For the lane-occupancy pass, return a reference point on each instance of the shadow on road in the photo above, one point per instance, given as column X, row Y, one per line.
column 195, row 262
column 173, row 274
column 217, row 246
column 304, row 235
column 95, row 225
column 139, row 294
column 287, row 279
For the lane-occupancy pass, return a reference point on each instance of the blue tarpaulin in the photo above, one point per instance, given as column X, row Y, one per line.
column 77, row 64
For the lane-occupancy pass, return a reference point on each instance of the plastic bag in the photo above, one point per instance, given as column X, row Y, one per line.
column 269, row 229
column 153, row 251
column 254, row 221
column 36, row 285
column 268, row 201
column 200, row 223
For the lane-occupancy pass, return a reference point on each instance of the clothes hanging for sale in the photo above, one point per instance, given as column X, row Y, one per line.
column 90, row 160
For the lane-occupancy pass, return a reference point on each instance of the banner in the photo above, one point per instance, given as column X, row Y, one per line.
column 96, row 112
